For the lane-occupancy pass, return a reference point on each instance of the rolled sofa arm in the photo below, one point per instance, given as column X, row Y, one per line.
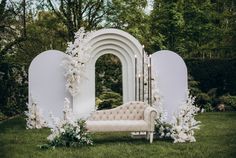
column 150, row 115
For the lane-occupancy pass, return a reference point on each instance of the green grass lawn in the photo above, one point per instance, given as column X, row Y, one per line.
column 216, row 138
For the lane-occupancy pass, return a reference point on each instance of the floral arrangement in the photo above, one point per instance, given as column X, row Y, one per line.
column 75, row 62
column 68, row 132
column 182, row 130
column 185, row 123
column 162, row 129
column 34, row 116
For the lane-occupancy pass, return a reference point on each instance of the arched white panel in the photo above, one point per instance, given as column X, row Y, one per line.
column 47, row 83
column 109, row 41
column 172, row 80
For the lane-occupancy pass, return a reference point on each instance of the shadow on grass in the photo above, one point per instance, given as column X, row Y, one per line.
column 123, row 137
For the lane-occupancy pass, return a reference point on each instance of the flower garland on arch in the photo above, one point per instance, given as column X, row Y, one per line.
column 75, row 62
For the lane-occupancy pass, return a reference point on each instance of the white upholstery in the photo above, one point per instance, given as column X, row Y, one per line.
column 117, row 125
column 132, row 116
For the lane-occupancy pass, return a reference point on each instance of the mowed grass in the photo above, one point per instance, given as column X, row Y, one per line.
column 216, row 138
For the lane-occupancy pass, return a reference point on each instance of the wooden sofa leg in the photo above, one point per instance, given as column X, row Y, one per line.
column 147, row 135
column 151, row 137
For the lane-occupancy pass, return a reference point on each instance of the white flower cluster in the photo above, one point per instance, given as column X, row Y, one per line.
column 162, row 128
column 34, row 116
column 185, row 123
column 75, row 62
column 68, row 112
column 157, row 100
column 68, row 118
column 68, row 130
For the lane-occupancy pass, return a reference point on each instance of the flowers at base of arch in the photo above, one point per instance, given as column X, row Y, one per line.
column 34, row 115
column 162, row 128
column 184, row 123
column 68, row 131
column 75, row 62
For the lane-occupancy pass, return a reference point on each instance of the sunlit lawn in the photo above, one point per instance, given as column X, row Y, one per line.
column 216, row 138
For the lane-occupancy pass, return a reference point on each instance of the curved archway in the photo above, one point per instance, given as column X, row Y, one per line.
column 120, row 44
column 109, row 91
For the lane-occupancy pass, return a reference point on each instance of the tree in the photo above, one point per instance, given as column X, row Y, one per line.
column 167, row 22
column 225, row 14
column 77, row 13
column 195, row 28
column 12, row 31
column 44, row 31
column 130, row 16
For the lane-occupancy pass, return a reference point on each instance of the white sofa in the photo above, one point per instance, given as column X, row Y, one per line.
column 133, row 116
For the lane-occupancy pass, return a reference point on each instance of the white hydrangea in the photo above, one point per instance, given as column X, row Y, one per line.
column 34, row 116
column 75, row 62
column 68, row 129
column 185, row 123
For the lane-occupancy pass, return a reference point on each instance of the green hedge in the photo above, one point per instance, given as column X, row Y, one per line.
column 214, row 73
column 228, row 101
column 13, row 89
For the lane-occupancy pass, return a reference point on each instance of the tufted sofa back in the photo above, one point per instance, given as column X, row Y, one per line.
column 128, row 111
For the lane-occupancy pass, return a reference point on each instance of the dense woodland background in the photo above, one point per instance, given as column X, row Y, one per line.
column 203, row 32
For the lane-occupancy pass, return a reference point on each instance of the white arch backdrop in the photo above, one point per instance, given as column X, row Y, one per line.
column 125, row 47
column 47, row 80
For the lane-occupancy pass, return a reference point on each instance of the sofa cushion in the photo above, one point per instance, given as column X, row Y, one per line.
column 128, row 111
column 116, row 125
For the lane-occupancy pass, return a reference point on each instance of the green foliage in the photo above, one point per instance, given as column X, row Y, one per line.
column 104, row 105
column 13, row 88
column 109, row 100
column 193, row 28
column 79, row 13
column 45, row 32
column 208, row 107
column 211, row 80
column 108, row 82
column 166, row 19
column 202, row 99
column 211, row 74
column 2, row 116
column 162, row 130
column 229, row 101
column 11, row 29
column 131, row 17
column 108, row 74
